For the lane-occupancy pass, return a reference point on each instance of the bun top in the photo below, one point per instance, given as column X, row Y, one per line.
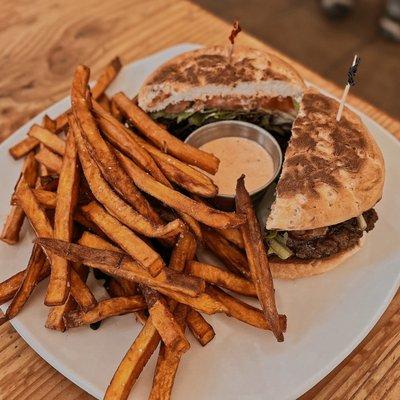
column 333, row 171
column 208, row 72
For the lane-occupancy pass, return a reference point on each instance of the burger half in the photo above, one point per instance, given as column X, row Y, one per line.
column 209, row 85
column 332, row 176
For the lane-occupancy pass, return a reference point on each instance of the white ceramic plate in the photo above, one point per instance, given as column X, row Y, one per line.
column 327, row 315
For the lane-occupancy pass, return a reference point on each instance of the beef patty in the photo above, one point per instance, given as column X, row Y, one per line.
column 330, row 240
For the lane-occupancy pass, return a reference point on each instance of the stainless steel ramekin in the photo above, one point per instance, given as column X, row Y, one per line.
column 242, row 129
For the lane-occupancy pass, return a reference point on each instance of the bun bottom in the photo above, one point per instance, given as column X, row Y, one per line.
column 299, row 268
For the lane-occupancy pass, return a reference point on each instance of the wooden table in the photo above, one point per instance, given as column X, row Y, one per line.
column 40, row 44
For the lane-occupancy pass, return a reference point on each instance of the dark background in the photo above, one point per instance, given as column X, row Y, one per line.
column 299, row 29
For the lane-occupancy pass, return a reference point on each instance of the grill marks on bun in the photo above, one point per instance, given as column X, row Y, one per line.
column 333, row 171
column 202, row 74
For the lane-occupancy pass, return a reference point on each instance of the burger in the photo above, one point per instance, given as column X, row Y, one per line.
column 332, row 176
column 333, row 171
column 211, row 84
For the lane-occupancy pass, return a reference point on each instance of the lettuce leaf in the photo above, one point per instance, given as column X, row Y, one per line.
column 183, row 123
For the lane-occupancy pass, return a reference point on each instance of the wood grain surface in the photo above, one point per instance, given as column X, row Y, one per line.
column 40, row 44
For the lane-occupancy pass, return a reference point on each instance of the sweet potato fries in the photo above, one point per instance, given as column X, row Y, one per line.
column 120, row 199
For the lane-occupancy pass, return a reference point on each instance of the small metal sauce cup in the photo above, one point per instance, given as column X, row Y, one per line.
column 241, row 129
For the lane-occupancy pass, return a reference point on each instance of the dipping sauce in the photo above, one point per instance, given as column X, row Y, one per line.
column 240, row 156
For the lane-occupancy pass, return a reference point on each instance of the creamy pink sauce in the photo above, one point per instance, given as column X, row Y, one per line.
column 239, row 156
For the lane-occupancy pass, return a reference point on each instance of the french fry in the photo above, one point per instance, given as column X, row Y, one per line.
column 169, row 215
column 114, row 288
column 49, row 139
column 145, row 344
column 62, row 122
column 43, row 170
column 36, row 216
column 184, row 251
column 113, row 203
column 167, row 363
column 124, row 287
column 163, row 320
column 26, row 145
column 136, row 148
column 125, row 238
column 164, row 140
column 243, row 311
column 168, row 358
column 189, row 178
column 129, row 287
column 115, row 111
column 104, row 309
column 257, row 259
column 133, row 363
column 231, row 256
column 123, row 138
column 204, row 302
column 177, row 200
column 45, row 198
column 81, row 292
column 87, row 224
column 192, row 224
column 233, row 235
column 55, row 317
column 106, row 77
column 50, row 160
column 117, row 289
column 120, row 136
column 22, row 148
column 199, row 327
column 91, row 240
column 104, row 102
column 34, row 270
column 9, row 287
column 138, row 182
column 147, row 341
column 105, row 158
column 16, row 216
column 49, row 123
column 43, row 229
column 219, row 277
column 67, row 198
column 184, row 288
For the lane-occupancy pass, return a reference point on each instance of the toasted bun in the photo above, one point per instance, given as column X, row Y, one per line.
column 333, row 171
column 298, row 268
column 206, row 73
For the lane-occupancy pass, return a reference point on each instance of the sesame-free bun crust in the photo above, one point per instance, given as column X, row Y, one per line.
column 295, row 268
column 208, row 72
column 333, row 171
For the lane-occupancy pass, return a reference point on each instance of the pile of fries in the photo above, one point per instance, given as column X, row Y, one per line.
column 107, row 189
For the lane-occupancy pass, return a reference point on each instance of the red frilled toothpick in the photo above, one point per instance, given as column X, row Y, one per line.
column 350, row 82
column 235, row 31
